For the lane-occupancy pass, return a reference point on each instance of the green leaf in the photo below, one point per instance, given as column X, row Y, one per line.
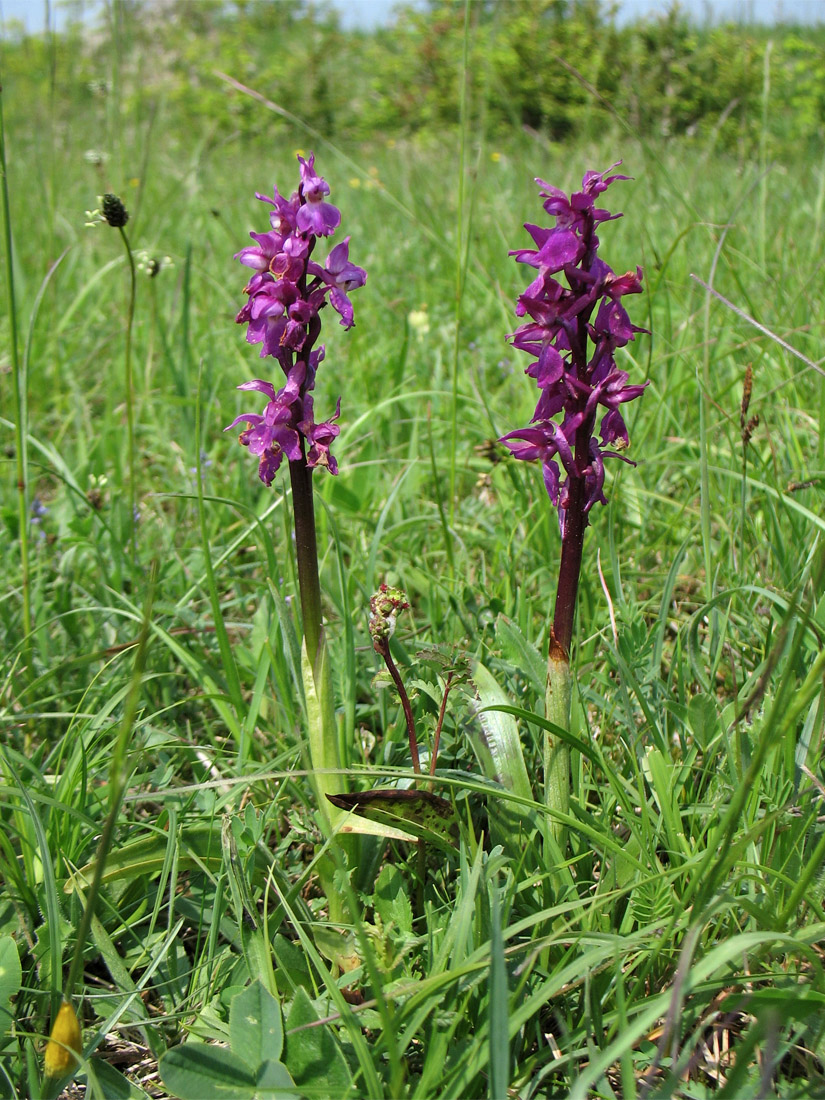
column 523, row 654
column 501, row 754
column 497, row 1006
column 105, row 1080
column 391, row 900
column 425, row 815
column 255, row 1029
column 275, row 1082
column 11, row 973
column 200, row 1071
column 703, row 717
column 11, row 977
column 312, row 1056
column 498, row 748
column 200, row 845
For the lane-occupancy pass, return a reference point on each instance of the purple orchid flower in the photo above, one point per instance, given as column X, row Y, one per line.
column 564, row 322
column 285, row 296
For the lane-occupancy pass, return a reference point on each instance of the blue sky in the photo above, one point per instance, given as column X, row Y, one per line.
column 369, row 13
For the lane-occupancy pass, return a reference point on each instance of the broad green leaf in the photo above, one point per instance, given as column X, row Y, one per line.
column 200, row 845
column 11, row 973
column 339, row 947
column 274, row 1082
column 501, row 743
column 703, row 717
column 312, row 1055
column 255, row 1030
column 105, row 1080
column 11, row 976
column 200, row 1071
column 498, row 748
column 426, row 816
column 521, row 653
column 391, row 900
column 354, row 823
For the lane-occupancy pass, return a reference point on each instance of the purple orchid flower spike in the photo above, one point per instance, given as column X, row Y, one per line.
column 576, row 322
column 286, row 293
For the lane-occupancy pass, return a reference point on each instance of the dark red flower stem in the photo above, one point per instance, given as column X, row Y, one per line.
column 306, row 549
column 303, row 513
column 575, row 518
column 382, row 648
column 441, row 713
column 570, row 566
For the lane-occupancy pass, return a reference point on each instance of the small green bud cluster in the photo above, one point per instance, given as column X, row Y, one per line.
column 384, row 608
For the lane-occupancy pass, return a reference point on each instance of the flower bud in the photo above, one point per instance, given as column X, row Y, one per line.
column 113, row 211
column 384, row 608
column 64, row 1042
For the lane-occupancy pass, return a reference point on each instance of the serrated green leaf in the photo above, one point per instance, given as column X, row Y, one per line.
column 391, row 900
column 255, row 1029
column 703, row 717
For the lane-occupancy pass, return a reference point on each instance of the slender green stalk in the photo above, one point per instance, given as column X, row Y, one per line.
column 20, row 404
column 462, row 234
column 763, row 154
column 130, row 392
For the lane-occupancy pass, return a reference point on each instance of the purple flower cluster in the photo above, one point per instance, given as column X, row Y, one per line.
column 286, row 294
column 572, row 335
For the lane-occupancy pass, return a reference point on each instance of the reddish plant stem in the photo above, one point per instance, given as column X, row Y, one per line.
column 303, row 513
column 441, row 713
column 382, row 647
column 306, row 549
column 575, row 519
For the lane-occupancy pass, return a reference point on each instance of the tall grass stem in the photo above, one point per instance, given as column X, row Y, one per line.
column 130, row 395
column 20, row 404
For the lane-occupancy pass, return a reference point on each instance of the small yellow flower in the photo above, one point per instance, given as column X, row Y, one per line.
column 495, row 157
column 355, row 182
column 419, row 322
column 64, row 1042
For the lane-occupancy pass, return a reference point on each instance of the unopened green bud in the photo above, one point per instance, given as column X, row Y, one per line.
column 384, row 608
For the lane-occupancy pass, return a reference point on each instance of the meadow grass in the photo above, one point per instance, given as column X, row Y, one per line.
column 675, row 949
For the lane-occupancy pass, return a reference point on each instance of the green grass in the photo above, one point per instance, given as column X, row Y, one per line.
column 686, row 917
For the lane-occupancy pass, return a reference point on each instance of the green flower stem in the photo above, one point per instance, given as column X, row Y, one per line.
column 317, row 675
column 557, row 752
column 20, row 409
column 130, row 395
